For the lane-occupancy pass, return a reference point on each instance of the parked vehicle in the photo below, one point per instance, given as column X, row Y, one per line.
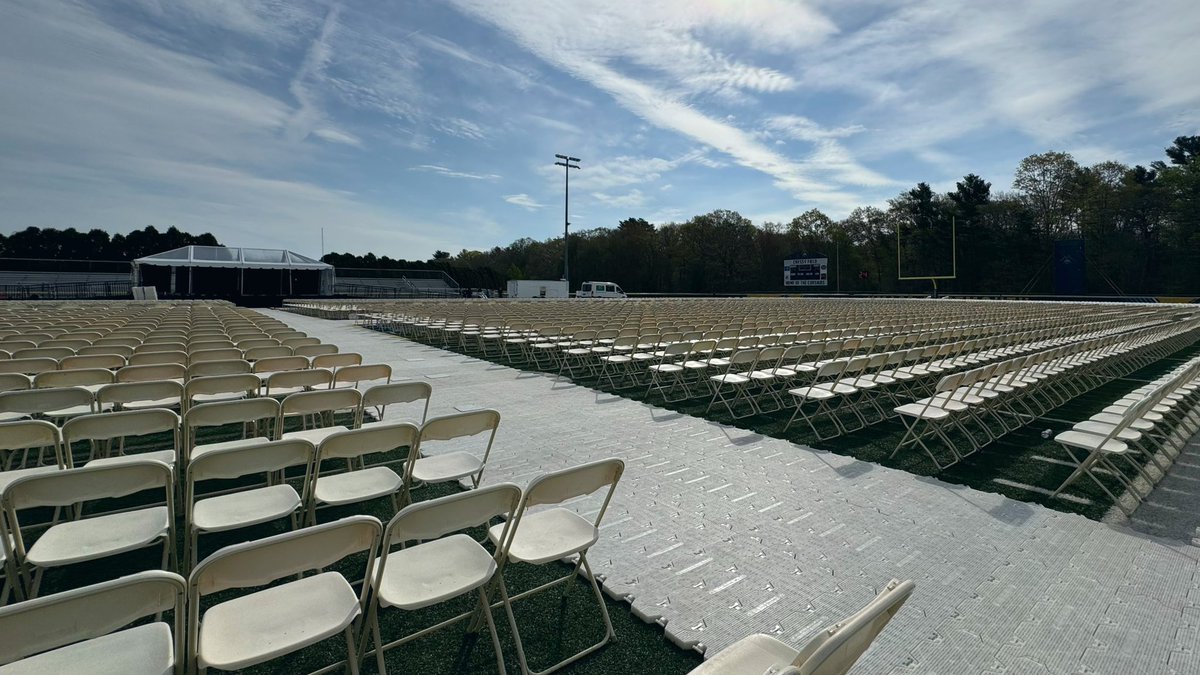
column 537, row 288
column 600, row 289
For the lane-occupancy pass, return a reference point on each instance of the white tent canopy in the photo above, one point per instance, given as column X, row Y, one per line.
column 225, row 256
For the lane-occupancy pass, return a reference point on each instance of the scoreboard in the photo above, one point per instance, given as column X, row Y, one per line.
column 808, row 270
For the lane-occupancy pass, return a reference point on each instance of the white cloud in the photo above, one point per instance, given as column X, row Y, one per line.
column 451, row 173
column 524, row 201
column 631, row 199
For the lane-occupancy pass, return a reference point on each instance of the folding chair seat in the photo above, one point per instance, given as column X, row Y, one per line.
column 90, row 537
column 382, row 395
column 459, row 431
column 218, row 388
column 441, row 563
column 359, row 483
column 57, row 402
column 256, row 415
column 88, row 629
column 91, row 379
column 548, row 535
column 321, row 407
column 247, row 506
column 263, row 625
column 100, row 430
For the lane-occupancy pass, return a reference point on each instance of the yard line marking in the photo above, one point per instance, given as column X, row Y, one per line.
column 763, row 606
column 694, row 566
column 738, row 579
column 668, row 549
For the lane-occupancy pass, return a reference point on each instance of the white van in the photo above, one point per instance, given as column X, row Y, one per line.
column 600, row 289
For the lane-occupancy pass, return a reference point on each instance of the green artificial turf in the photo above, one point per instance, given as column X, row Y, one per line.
column 1019, row 458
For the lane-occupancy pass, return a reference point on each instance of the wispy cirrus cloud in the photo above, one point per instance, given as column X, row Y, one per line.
column 451, row 173
column 524, row 201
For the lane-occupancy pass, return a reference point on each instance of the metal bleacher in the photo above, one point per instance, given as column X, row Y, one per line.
column 22, row 285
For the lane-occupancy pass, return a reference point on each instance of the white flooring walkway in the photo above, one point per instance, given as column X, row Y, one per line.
column 717, row 532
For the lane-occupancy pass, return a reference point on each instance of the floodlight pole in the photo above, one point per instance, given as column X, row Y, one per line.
column 567, row 166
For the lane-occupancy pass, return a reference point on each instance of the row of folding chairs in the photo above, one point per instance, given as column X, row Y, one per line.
column 1135, row 439
column 59, row 394
column 993, row 400
column 422, row 558
column 33, row 361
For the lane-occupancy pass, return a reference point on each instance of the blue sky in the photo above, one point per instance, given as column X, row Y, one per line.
column 405, row 127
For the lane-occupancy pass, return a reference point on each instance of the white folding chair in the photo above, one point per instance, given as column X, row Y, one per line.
column 246, row 506
column 321, row 407
column 90, row 537
column 453, row 464
column 85, row 630
column 359, row 483
column 264, row 625
column 440, row 567
column 547, row 535
column 832, row 651
column 382, row 395
column 101, row 429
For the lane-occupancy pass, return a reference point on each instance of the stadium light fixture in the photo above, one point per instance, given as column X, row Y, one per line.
column 567, row 165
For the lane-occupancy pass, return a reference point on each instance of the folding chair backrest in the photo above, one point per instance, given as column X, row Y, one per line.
column 557, row 487
column 355, row 374
column 62, row 619
column 459, row 425
column 257, row 563
column 336, row 360
column 109, row 425
column 368, row 440
column 834, row 650
column 72, row 378
column 122, row 393
column 162, row 371
column 110, row 361
column 397, row 392
column 35, row 401
column 71, row 486
column 256, row 353
column 229, row 412
column 24, row 434
column 314, row 350
column 225, row 354
column 278, row 364
column 311, row 402
column 222, row 384
column 308, row 377
column 221, row 367
column 155, row 358
column 252, row 458
column 28, row 366
column 44, row 352
column 438, row 517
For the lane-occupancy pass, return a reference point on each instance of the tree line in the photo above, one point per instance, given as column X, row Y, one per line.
column 96, row 244
column 1140, row 228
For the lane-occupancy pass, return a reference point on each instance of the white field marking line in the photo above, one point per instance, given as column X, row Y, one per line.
column 768, row 508
column 728, row 584
column 797, row 519
column 643, row 534
column 668, row 549
column 831, row 530
column 1043, row 491
column 694, row 566
column 867, row 543
column 615, row 522
column 745, row 496
column 763, row 606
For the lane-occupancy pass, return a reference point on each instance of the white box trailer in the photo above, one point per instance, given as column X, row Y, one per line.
column 537, row 288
